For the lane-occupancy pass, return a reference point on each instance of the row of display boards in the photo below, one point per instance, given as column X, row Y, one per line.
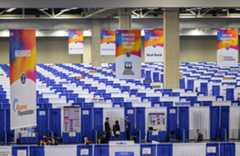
column 126, row 149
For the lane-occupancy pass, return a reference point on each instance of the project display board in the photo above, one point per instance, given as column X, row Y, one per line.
column 156, row 119
column 128, row 54
column 153, row 45
column 75, row 42
column 227, row 47
column 72, row 116
column 107, row 46
column 23, row 78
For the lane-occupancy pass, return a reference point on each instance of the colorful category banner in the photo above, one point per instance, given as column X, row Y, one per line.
column 75, row 42
column 153, row 45
column 128, row 54
column 108, row 46
column 227, row 47
column 72, row 118
column 23, row 78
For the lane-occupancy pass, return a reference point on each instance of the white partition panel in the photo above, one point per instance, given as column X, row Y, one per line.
column 234, row 122
column 199, row 118
column 60, row 150
column 189, row 149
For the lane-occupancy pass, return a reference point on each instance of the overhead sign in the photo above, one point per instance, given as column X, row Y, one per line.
column 128, row 54
column 75, row 42
column 227, row 47
column 153, row 45
column 107, row 46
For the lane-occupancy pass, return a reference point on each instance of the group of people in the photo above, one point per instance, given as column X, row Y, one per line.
column 48, row 141
column 115, row 131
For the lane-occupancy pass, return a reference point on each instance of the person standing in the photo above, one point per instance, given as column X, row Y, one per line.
column 107, row 130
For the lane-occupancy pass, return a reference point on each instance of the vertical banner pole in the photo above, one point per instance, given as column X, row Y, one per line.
column 23, row 78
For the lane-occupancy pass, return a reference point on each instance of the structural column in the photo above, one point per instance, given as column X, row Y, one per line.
column 124, row 19
column 94, row 57
column 172, row 48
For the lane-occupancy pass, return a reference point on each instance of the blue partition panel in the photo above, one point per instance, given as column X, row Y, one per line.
column 42, row 122
column 214, row 123
column 224, row 122
column 164, row 150
column 87, row 123
column 140, row 123
column 172, row 123
column 130, row 115
column 227, row 149
column 183, row 114
column 55, row 122
column 101, row 150
column 36, row 151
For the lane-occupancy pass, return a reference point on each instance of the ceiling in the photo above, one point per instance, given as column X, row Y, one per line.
column 86, row 13
column 117, row 3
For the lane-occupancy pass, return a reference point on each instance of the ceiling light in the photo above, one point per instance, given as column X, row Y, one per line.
column 10, row 10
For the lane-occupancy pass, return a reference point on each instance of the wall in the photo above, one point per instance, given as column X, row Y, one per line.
column 54, row 50
column 198, row 48
column 49, row 50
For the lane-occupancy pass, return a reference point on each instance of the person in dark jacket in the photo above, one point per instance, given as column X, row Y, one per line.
column 107, row 130
column 199, row 136
column 116, row 129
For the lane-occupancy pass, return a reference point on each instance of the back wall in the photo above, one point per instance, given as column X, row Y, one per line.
column 55, row 49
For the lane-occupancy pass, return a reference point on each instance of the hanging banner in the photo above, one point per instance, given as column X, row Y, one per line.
column 108, row 46
column 227, row 47
column 75, row 42
column 72, row 120
column 23, row 78
column 128, row 54
column 153, row 45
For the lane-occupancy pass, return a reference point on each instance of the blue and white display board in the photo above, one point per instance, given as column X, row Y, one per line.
column 127, row 149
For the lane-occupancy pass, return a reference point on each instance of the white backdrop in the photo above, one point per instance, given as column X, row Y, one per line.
column 60, row 150
column 114, row 114
column 5, row 151
column 189, row 149
column 234, row 122
column 199, row 119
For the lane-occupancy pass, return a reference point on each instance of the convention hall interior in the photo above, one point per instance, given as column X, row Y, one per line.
column 119, row 78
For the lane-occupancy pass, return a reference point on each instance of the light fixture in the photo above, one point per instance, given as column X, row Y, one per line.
column 10, row 10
